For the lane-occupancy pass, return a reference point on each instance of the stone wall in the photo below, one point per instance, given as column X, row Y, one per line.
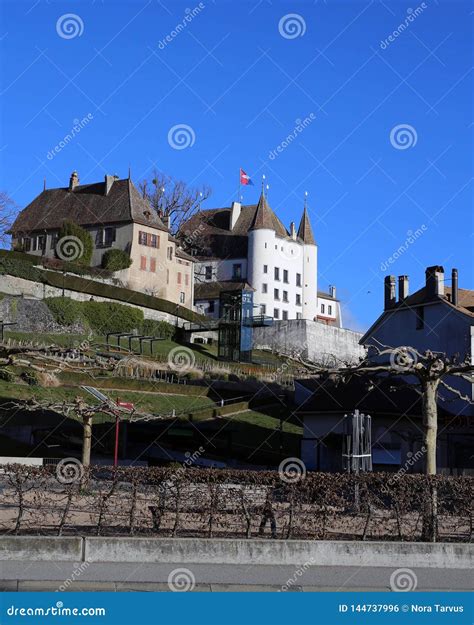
column 313, row 341
column 27, row 289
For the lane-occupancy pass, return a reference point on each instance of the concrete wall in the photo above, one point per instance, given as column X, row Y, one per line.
column 236, row 551
column 315, row 341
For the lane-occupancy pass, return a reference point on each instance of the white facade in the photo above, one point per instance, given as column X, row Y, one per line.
column 283, row 273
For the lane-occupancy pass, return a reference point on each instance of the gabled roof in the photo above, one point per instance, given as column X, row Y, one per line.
column 87, row 205
column 305, row 232
column 465, row 305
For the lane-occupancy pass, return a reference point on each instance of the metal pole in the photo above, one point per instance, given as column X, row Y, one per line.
column 117, row 429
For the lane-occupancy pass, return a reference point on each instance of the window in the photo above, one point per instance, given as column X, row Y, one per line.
column 264, row 288
column 170, row 253
column 143, row 263
column 276, row 313
column 285, row 276
column 208, row 270
column 265, row 268
column 182, row 298
column 237, row 271
column 153, row 264
column 211, row 306
column 167, row 276
column 329, row 310
column 299, row 316
column 155, row 241
column 54, row 240
column 265, row 246
column 277, row 273
column 298, row 299
column 179, row 277
column 285, row 296
column 323, row 308
column 263, row 309
column 41, row 242
column 186, row 279
column 285, row 315
column 420, row 318
column 142, row 237
column 276, row 293
column 298, row 279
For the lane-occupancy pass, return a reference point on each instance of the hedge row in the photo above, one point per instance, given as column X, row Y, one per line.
column 183, row 501
column 21, row 269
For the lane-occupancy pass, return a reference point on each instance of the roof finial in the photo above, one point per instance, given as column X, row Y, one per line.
column 305, row 199
column 129, row 172
column 263, row 184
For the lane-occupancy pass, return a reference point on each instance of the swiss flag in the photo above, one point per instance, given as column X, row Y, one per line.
column 245, row 178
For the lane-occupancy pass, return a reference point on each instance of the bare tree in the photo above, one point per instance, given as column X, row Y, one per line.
column 7, row 207
column 173, row 200
column 429, row 371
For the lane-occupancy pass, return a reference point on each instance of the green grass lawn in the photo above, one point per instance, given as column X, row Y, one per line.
column 155, row 403
column 267, row 421
column 161, row 349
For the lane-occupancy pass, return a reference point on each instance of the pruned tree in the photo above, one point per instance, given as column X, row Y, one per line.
column 7, row 207
column 174, row 200
column 426, row 372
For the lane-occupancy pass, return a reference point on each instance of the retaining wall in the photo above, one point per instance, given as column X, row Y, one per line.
column 238, row 551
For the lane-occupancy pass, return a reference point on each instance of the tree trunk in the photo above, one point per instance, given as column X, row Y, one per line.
column 86, row 441
column 430, row 424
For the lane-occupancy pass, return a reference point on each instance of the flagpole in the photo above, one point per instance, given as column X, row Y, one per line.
column 238, row 192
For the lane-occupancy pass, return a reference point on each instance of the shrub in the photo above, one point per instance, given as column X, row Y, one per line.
column 64, row 310
column 30, row 378
column 115, row 260
column 74, row 244
column 151, row 327
column 106, row 317
column 6, row 376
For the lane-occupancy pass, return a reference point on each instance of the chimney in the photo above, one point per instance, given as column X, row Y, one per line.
column 293, row 231
column 234, row 213
column 402, row 288
column 109, row 181
column 73, row 181
column 454, row 287
column 332, row 291
column 390, row 297
column 434, row 281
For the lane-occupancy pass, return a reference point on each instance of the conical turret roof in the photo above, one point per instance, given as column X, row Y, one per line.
column 305, row 232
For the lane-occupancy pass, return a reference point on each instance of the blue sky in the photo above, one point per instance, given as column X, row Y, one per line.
column 240, row 75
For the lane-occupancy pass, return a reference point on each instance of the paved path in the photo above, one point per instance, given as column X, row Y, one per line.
column 50, row 576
